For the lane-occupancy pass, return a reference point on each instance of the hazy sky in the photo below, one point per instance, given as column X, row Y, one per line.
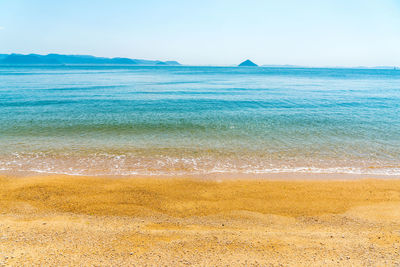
column 208, row 32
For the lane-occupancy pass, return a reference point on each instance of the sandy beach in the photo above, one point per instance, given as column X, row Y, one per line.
column 64, row 221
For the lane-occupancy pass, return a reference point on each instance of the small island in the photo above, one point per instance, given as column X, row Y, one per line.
column 248, row 63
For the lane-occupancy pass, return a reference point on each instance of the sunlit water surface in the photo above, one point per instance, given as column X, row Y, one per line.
column 127, row 120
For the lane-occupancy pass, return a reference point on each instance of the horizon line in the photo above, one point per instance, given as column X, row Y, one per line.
column 286, row 65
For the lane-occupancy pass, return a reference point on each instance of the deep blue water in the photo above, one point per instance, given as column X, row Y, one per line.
column 124, row 120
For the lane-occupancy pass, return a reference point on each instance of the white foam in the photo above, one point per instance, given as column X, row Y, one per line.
column 170, row 166
column 304, row 170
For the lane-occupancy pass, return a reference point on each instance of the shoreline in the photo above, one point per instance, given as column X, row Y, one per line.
column 64, row 220
column 223, row 176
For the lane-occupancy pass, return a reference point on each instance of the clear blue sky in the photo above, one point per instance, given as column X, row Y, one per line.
column 208, row 32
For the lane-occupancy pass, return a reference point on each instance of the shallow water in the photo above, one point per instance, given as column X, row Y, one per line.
column 127, row 120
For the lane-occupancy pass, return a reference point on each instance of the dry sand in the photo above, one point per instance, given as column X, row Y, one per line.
column 64, row 221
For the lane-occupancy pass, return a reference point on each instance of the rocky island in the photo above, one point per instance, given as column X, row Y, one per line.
column 248, row 63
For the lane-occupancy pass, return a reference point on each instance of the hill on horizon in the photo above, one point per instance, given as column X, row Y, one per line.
column 248, row 63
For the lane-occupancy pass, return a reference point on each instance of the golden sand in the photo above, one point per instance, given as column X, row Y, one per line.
column 62, row 220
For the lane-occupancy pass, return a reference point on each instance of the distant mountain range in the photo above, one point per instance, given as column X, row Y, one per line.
column 55, row 59
column 249, row 63
column 58, row 59
column 329, row 67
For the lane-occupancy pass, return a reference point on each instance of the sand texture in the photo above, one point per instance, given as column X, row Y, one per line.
column 64, row 221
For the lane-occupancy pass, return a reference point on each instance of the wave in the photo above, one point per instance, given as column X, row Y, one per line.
column 218, row 170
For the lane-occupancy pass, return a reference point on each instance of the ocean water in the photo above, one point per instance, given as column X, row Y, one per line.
column 129, row 120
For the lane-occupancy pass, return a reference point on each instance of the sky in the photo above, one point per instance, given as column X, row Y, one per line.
column 208, row 32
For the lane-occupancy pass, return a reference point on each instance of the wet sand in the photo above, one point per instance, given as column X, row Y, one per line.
column 63, row 220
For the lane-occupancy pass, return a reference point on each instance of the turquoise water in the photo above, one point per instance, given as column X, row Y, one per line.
column 126, row 120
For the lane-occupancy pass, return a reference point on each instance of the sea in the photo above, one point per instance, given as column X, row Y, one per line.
column 190, row 120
